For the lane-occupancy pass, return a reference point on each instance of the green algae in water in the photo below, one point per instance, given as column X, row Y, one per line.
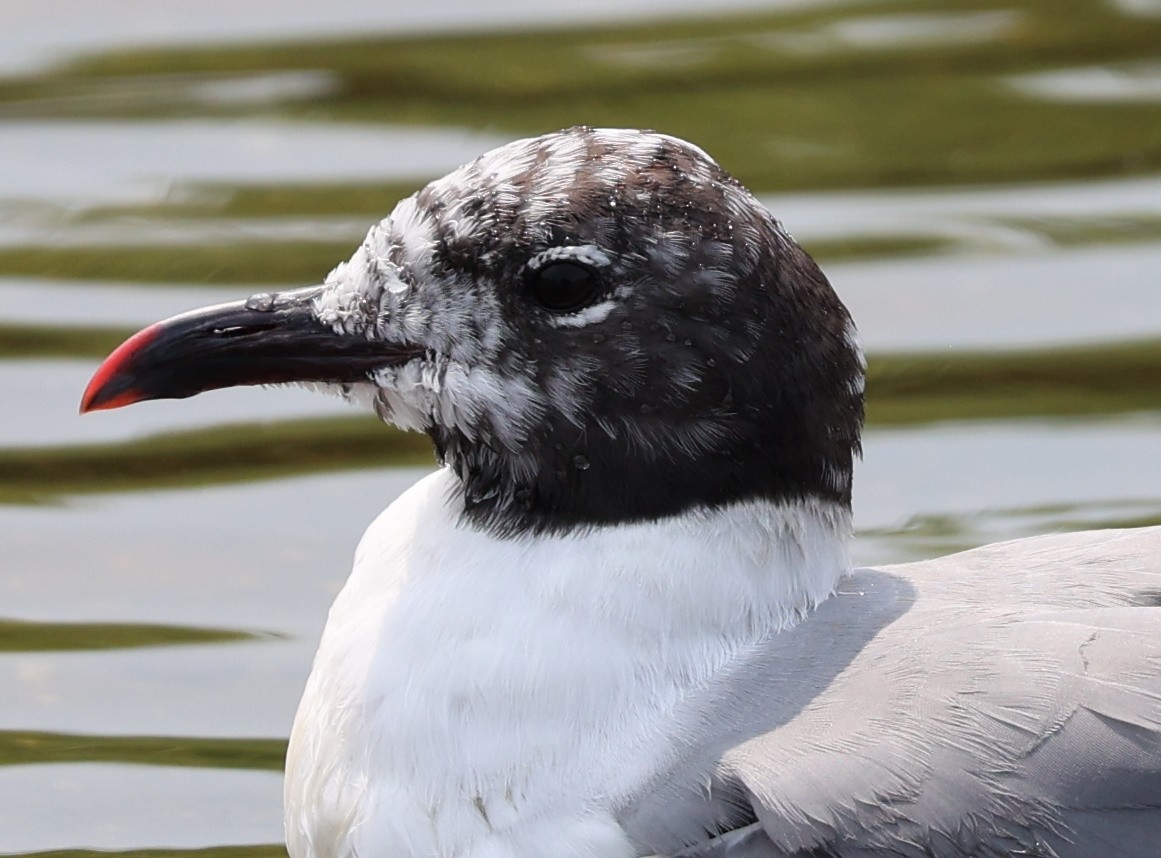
column 30, row 636
column 225, row 454
column 25, row 747
column 27, row 342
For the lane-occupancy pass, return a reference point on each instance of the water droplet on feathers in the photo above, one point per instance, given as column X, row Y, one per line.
column 262, row 302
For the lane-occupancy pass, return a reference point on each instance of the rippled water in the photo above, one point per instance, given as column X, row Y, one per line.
column 981, row 181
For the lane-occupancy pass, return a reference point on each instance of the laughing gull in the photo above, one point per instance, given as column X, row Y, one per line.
column 620, row 620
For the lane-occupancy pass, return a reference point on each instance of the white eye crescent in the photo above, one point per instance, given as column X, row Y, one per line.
column 583, row 254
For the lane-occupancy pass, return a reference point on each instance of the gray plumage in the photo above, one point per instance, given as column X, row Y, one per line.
column 1003, row 701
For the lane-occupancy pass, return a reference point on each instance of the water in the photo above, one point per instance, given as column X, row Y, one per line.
column 262, row 302
column 76, row 163
column 978, row 182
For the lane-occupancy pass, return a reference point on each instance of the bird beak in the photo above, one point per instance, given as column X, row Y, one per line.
column 272, row 340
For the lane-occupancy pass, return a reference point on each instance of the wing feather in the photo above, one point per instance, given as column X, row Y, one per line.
column 1014, row 706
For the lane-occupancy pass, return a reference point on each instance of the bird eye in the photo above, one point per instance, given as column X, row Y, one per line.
column 564, row 286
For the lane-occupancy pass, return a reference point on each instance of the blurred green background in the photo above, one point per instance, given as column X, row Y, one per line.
column 980, row 179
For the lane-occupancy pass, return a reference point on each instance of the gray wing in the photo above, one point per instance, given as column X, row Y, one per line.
column 1001, row 701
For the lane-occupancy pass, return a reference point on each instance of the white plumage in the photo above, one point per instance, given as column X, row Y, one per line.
column 476, row 697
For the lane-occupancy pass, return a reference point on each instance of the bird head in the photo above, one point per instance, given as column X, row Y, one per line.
column 593, row 326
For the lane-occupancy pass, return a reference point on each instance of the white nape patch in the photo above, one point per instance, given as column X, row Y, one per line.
column 585, row 254
column 587, row 316
column 489, row 698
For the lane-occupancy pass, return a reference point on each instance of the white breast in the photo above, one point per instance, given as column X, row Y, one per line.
column 485, row 698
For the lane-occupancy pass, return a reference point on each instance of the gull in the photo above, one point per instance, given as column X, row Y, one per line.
column 621, row 618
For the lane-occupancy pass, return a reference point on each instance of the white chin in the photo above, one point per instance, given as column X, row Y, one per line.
column 361, row 394
column 368, row 396
column 404, row 396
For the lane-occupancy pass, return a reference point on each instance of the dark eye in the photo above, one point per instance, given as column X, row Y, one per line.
column 564, row 286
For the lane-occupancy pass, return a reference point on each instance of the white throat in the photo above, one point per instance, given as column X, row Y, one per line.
column 478, row 697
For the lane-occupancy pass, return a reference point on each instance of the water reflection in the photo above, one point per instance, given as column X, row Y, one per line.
column 1080, row 295
column 1140, row 82
column 884, row 32
column 119, row 807
column 26, row 636
column 976, row 218
column 83, row 305
column 50, row 389
column 921, row 493
column 41, row 30
column 88, row 162
column 22, row 747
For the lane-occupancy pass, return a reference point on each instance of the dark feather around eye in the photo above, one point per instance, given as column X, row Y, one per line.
column 564, row 286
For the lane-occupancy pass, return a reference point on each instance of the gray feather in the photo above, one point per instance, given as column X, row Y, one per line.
column 1002, row 701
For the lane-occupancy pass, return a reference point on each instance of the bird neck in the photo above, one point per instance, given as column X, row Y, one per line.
column 771, row 559
column 449, row 651
column 555, row 488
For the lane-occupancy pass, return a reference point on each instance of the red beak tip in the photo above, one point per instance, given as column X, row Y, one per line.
column 111, row 367
column 92, row 400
